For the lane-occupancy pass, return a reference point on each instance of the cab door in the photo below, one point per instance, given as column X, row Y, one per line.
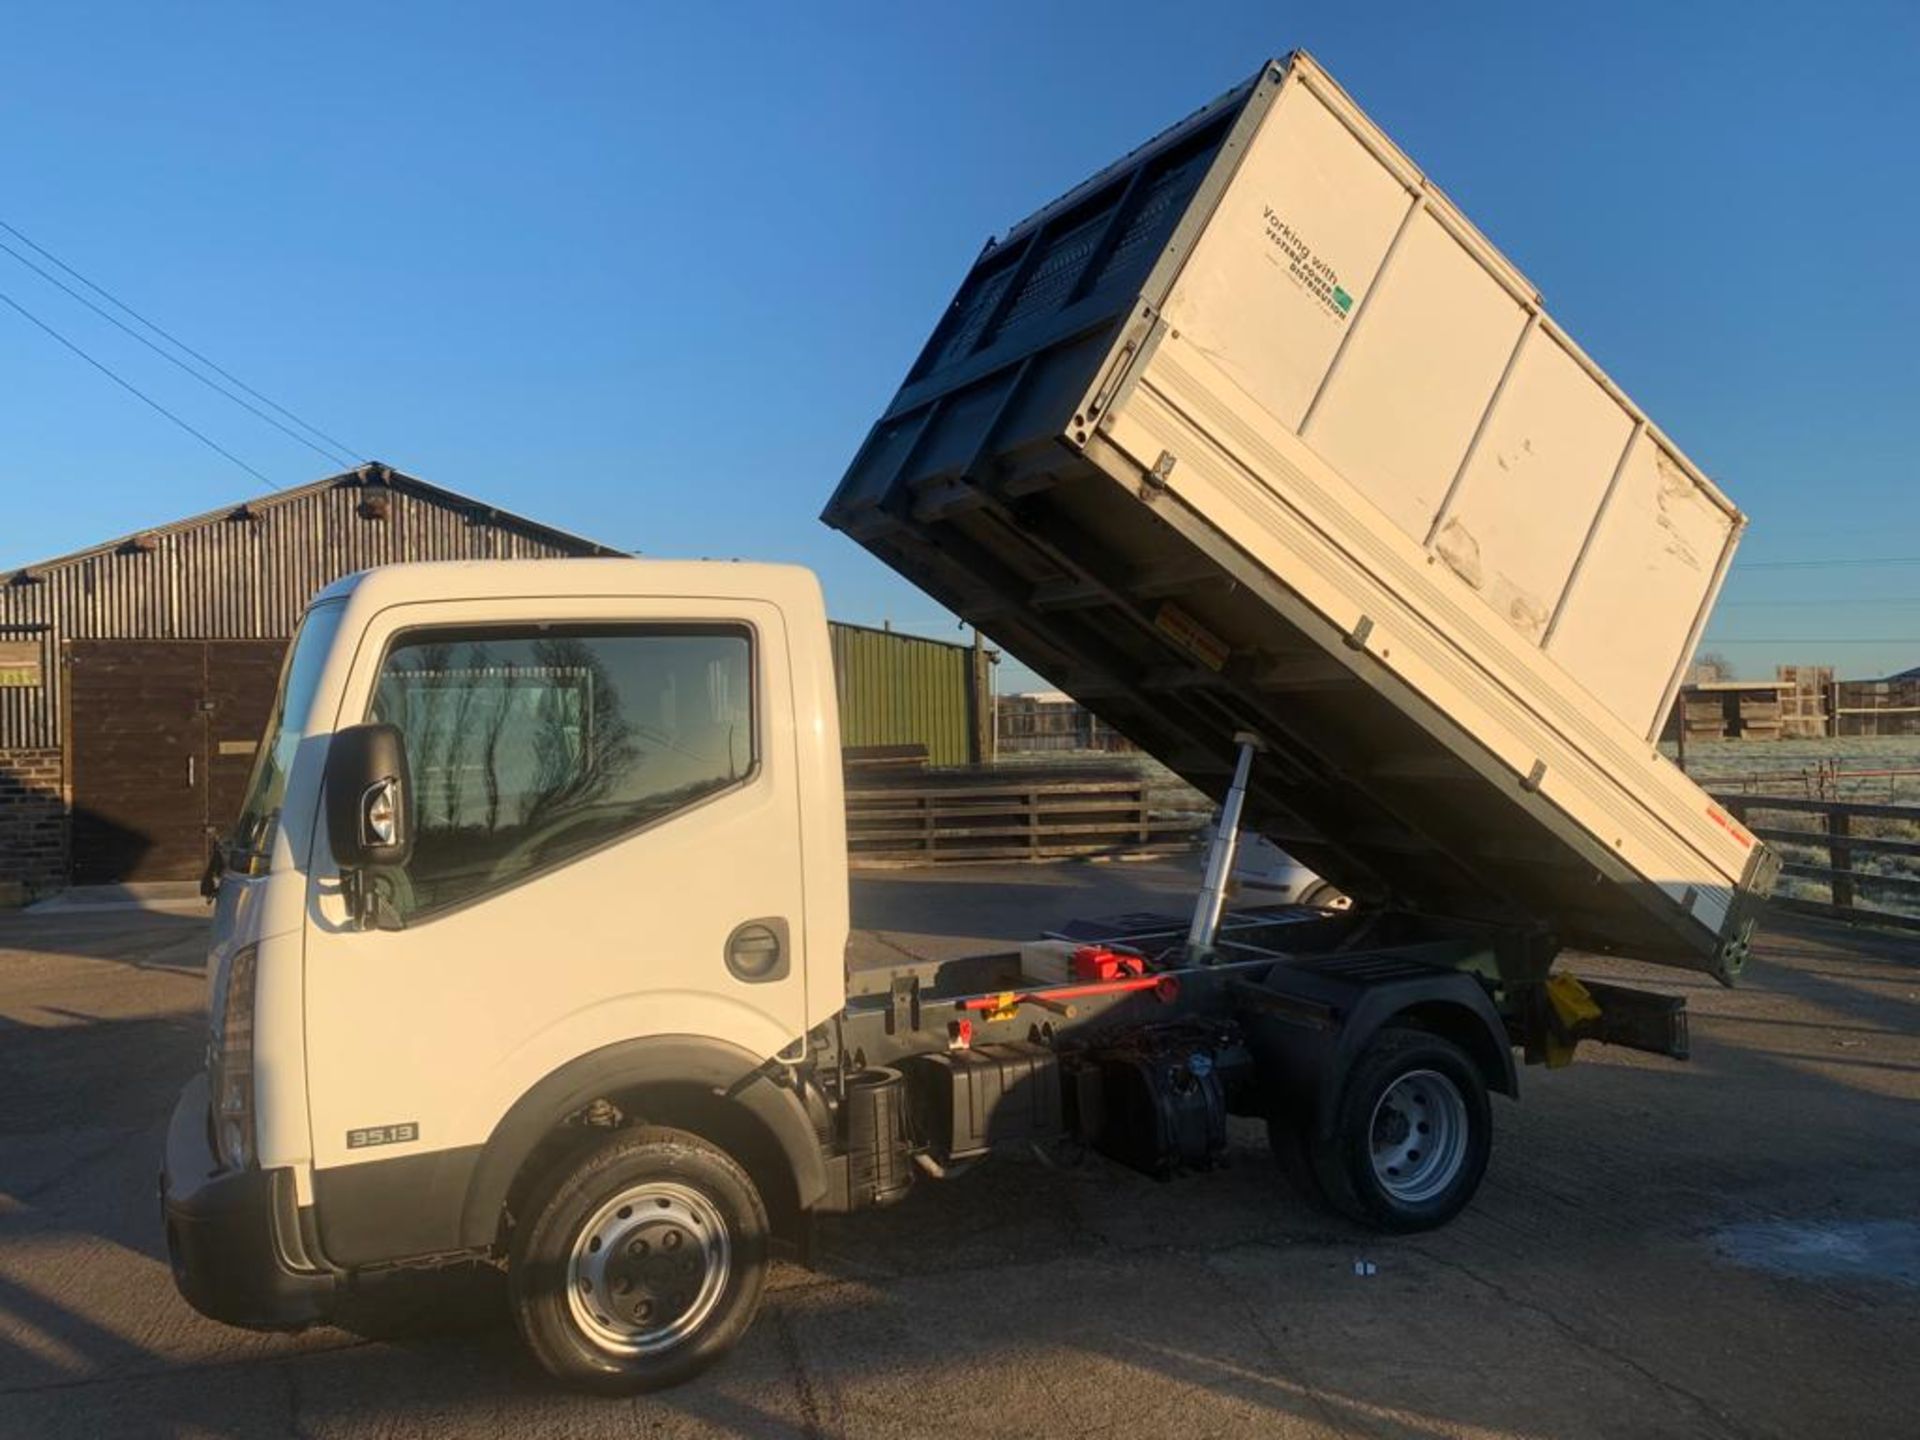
column 607, row 847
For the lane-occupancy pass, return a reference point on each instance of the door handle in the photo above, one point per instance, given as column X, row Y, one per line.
column 190, row 763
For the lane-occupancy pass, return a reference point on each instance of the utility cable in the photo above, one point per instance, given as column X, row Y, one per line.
column 1819, row 600
column 337, row 457
column 1740, row 565
column 175, row 340
column 135, row 390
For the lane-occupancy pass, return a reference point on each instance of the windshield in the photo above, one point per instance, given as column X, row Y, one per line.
column 252, row 834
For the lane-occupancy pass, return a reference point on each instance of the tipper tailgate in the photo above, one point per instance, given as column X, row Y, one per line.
column 1253, row 430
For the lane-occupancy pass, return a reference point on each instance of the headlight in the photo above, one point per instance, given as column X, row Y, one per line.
column 230, row 1073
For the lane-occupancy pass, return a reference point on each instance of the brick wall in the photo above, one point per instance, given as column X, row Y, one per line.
column 33, row 824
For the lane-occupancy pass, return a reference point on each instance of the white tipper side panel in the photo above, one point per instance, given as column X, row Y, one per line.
column 1354, row 304
column 1307, row 191
column 1268, row 493
column 1317, row 236
column 1658, row 555
column 1529, row 491
column 1437, row 334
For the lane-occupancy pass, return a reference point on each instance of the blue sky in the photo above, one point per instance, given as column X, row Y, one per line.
column 649, row 274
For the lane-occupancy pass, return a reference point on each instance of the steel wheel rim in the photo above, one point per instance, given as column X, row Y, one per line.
column 1418, row 1136
column 648, row 1268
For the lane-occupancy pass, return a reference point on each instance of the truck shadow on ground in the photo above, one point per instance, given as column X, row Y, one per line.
column 167, row 940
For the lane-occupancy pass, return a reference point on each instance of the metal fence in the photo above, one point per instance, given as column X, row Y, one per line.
column 1026, row 724
column 1854, row 836
column 1010, row 813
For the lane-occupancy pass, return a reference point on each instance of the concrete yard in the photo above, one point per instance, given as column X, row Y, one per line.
column 1729, row 1247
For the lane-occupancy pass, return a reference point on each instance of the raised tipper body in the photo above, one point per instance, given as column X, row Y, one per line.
column 1255, row 431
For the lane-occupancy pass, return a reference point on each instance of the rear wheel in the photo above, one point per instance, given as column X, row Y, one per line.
column 642, row 1265
column 1412, row 1134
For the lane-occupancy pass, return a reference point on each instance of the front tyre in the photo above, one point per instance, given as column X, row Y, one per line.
column 1412, row 1134
column 641, row 1265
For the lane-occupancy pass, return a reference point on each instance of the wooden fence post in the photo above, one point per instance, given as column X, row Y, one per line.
column 1840, row 858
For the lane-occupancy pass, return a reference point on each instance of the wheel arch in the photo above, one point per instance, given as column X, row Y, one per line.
column 1472, row 1031
column 1307, row 1025
column 695, row 1083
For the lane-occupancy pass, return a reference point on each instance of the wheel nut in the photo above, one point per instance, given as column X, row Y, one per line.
column 672, row 1240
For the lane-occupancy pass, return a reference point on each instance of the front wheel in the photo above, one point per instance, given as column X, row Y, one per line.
column 1412, row 1134
column 642, row 1265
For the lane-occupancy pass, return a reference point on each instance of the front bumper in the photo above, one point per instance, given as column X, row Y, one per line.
column 234, row 1236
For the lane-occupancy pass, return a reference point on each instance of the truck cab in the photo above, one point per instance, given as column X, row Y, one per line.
column 623, row 874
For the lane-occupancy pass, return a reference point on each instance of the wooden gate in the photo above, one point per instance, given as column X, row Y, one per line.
column 161, row 737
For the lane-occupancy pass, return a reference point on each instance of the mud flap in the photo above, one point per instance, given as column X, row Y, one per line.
column 1566, row 1011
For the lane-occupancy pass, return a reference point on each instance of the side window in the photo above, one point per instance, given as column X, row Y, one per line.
column 531, row 745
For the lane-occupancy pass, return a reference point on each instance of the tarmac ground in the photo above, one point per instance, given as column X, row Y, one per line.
column 1725, row 1247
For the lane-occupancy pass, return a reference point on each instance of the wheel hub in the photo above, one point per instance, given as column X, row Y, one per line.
column 647, row 1268
column 1418, row 1136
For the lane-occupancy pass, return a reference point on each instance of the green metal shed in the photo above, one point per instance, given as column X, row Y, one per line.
column 897, row 689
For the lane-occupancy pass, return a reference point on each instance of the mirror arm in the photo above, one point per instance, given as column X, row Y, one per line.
column 367, row 902
column 382, row 913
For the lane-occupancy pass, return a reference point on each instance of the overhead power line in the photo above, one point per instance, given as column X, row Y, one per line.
column 1832, row 563
column 176, row 341
column 341, row 457
column 1822, row 600
column 134, row 390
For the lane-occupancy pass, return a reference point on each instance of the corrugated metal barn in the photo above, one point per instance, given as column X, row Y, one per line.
column 136, row 676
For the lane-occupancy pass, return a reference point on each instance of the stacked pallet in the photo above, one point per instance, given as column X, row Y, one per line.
column 1804, row 692
column 1878, row 707
column 1705, row 717
column 1760, row 717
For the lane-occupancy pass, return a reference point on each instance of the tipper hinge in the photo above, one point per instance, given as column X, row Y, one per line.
column 903, row 1012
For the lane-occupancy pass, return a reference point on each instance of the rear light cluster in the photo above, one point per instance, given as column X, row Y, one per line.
column 230, row 1072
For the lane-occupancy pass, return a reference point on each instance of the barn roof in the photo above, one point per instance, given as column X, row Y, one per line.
column 371, row 476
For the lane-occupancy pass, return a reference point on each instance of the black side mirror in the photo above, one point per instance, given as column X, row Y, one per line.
column 369, row 798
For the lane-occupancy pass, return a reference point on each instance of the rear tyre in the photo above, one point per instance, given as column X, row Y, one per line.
column 642, row 1264
column 1412, row 1134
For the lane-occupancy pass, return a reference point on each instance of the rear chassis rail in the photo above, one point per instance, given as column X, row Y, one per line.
column 1145, row 1068
column 924, row 1006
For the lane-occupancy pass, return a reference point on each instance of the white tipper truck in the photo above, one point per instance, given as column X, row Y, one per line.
column 530, row 943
